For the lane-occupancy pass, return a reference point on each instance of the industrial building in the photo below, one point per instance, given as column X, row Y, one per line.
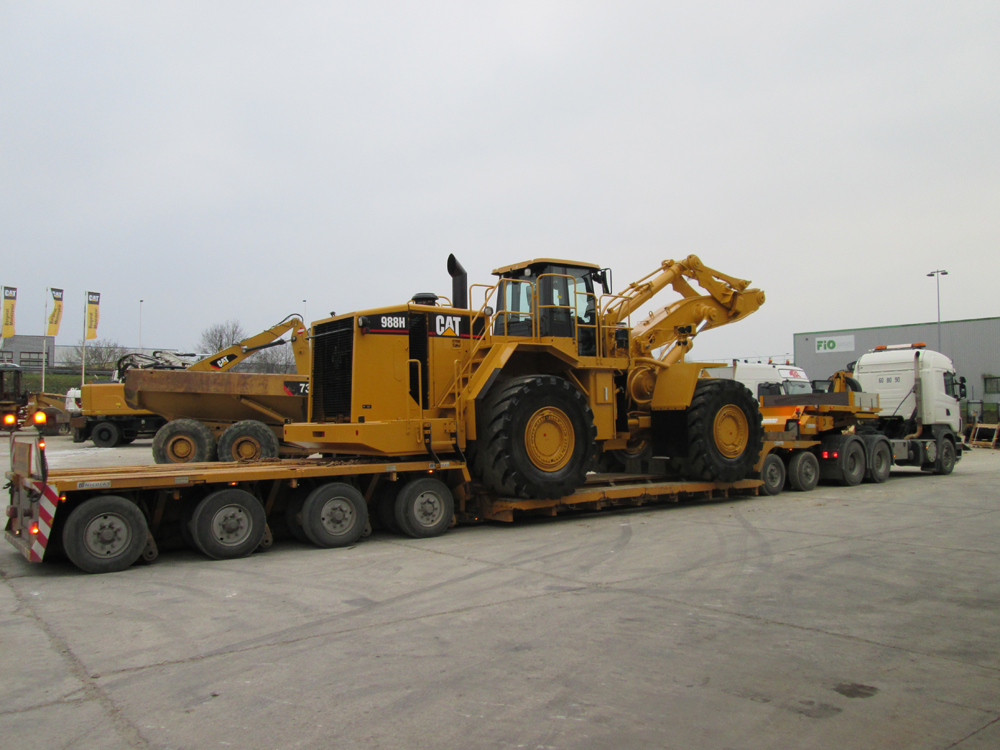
column 973, row 345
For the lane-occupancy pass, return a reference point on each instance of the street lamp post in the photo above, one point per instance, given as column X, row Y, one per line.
column 937, row 278
column 140, row 326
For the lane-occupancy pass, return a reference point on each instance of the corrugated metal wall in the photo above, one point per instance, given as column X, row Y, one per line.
column 973, row 345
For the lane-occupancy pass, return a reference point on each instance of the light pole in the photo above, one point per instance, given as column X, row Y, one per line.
column 140, row 326
column 305, row 313
column 937, row 278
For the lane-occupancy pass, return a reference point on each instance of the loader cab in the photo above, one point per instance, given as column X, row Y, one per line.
column 549, row 298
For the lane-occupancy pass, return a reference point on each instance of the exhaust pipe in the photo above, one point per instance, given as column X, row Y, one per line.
column 459, row 283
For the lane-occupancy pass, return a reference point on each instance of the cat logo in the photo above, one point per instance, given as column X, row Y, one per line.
column 447, row 325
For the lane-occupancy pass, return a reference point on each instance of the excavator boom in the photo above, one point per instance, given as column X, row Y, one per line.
column 232, row 356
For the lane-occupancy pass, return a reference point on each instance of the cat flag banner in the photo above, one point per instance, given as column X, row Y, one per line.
column 9, row 300
column 93, row 314
column 56, row 317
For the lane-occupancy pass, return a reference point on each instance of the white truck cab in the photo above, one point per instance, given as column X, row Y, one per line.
column 766, row 379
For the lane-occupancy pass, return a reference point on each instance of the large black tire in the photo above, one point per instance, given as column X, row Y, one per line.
column 424, row 508
column 247, row 441
column 773, row 474
column 183, row 441
column 536, row 437
column 106, row 434
column 853, row 464
column 634, row 457
column 803, row 471
column 945, row 462
column 79, row 435
column 228, row 523
column 293, row 512
column 334, row 515
column 724, row 430
column 881, row 462
column 105, row 534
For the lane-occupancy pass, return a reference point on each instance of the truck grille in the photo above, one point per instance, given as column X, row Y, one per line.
column 333, row 359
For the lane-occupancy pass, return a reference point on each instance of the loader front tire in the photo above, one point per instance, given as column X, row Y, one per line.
column 536, row 438
column 183, row 441
column 725, row 434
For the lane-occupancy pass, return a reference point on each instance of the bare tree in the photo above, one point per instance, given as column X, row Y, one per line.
column 220, row 336
column 275, row 359
column 102, row 354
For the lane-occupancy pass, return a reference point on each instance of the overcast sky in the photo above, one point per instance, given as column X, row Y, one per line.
column 230, row 160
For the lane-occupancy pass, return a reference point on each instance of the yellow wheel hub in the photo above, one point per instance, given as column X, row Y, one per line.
column 731, row 431
column 181, row 449
column 245, row 449
column 549, row 439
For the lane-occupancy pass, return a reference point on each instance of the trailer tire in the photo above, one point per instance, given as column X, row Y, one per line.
column 724, row 429
column 385, row 506
column 803, row 471
column 536, row 438
column 248, row 440
column 79, row 435
column 106, row 435
column 334, row 515
column 228, row 523
column 105, row 534
column 424, row 508
column 945, row 463
column 183, row 441
column 852, row 468
column 772, row 472
column 881, row 462
column 293, row 511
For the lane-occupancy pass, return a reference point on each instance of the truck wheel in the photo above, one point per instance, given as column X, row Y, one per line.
column 424, row 508
column 334, row 515
column 247, row 441
column 725, row 436
column 853, row 466
column 881, row 464
column 536, row 438
column 105, row 534
column 385, row 506
column 945, row 463
column 228, row 523
column 803, row 471
column 106, row 435
column 293, row 511
column 773, row 474
column 183, row 441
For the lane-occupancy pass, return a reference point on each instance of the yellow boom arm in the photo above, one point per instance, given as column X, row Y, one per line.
column 228, row 358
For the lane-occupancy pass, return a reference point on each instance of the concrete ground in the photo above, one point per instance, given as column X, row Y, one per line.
column 843, row 618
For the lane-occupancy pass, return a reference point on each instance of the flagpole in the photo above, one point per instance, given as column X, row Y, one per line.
column 45, row 337
column 83, row 345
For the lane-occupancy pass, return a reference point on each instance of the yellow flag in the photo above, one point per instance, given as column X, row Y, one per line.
column 9, row 300
column 56, row 317
column 93, row 314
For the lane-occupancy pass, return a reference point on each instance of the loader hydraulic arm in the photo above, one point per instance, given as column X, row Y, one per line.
column 729, row 299
column 229, row 358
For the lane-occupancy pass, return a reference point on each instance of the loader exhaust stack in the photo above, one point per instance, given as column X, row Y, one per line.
column 459, row 283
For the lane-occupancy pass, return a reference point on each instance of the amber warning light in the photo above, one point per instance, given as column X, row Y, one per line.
column 9, row 419
column 39, row 417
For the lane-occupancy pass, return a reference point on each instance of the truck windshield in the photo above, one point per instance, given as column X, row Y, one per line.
column 797, row 386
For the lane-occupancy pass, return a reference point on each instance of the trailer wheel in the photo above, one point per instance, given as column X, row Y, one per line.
column 228, row 523
column 881, row 464
column 334, row 515
column 79, row 435
column 536, row 438
column 106, row 434
column 424, row 508
column 385, row 506
column 853, row 466
column 105, row 534
column 247, row 441
column 803, row 471
column 773, row 474
column 293, row 511
column 945, row 462
column 183, row 441
column 725, row 436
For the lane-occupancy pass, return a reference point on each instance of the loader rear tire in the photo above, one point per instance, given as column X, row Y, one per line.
column 725, row 434
column 106, row 435
column 183, row 441
column 536, row 438
column 248, row 440
column 105, row 534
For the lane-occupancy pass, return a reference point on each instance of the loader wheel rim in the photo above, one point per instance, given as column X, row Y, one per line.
column 731, row 431
column 337, row 516
column 108, row 535
column 180, row 448
column 549, row 438
column 246, row 448
column 231, row 525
